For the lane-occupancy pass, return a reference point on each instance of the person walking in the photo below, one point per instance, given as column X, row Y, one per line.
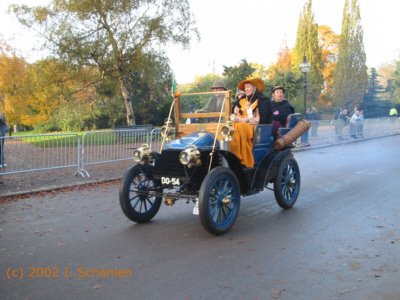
column 314, row 121
column 3, row 131
column 360, row 131
column 341, row 123
column 354, row 124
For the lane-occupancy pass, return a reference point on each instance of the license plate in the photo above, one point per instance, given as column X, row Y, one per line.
column 169, row 180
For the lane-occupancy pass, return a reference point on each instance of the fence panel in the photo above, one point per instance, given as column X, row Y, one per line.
column 108, row 146
column 31, row 153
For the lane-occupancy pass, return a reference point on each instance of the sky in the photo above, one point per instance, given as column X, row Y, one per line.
column 254, row 30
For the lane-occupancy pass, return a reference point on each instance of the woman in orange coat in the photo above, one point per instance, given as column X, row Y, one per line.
column 253, row 108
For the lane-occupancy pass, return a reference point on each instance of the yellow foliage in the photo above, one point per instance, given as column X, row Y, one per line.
column 328, row 41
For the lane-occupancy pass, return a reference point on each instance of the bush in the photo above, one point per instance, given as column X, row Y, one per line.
column 51, row 126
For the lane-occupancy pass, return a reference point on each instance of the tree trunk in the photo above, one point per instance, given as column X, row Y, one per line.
column 130, row 117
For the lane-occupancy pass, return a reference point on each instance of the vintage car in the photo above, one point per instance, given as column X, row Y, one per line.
column 193, row 163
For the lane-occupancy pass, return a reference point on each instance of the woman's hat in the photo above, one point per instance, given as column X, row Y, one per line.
column 278, row 88
column 254, row 81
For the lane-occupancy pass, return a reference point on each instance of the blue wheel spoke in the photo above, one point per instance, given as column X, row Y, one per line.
column 136, row 203
column 225, row 215
column 216, row 213
column 214, row 207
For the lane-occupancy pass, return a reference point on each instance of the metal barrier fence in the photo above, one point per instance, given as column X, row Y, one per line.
column 31, row 153
column 117, row 145
column 339, row 130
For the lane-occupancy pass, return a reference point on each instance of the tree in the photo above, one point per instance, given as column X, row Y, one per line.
column 307, row 44
column 350, row 76
column 395, row 83
column 55, row 84
column 328, row 42
column 200, row 84
column 14, row 85
column 236, row 74
column 113, row 36
column 372, row 104
column 386, row 76
column 283, row 73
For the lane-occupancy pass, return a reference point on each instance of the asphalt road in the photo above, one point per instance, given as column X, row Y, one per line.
column 340, row 241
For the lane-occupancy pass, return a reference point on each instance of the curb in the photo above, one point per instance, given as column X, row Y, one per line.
column 60, row 187
column 306, row 148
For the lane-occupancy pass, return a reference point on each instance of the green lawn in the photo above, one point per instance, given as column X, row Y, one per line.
column 55, row 140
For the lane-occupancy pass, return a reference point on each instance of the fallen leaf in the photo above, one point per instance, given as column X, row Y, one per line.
column 276, row 292
column 96, row 287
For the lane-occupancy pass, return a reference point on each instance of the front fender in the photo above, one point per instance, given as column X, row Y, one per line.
column 236, row 166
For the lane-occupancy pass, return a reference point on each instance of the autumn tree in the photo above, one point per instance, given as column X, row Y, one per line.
column 14, row 86
column 350, row 75
column 307, row 44
column 386, row 72
column 328, row 42
column 113, row 36
column 57, row 84
column 260, row 71
column 395, row 83
column 283, row 73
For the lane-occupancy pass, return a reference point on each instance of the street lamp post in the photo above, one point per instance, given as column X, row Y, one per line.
column 305, row 67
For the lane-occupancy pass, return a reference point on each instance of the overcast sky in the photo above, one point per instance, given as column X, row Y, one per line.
column 253, row 29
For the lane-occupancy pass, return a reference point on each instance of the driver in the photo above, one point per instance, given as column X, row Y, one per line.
column 215, row 103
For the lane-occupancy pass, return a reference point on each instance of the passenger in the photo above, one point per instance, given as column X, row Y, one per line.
column 253, row 108
column 281, row 109
column 239, row 94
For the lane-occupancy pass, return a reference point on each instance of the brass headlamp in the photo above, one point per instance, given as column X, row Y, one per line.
column 228, row 130
column 142, row 154
column 167, row 130
column 190, row 156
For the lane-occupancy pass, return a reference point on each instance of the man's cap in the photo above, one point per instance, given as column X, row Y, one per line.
column 278, row 88
column 218, row 84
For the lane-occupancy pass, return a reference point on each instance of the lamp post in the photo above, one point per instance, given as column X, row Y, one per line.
column 305, row 67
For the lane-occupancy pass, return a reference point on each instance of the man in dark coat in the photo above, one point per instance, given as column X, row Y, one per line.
column 314, row 121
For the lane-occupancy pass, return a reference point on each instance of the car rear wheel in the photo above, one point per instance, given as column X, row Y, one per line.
column 287, row 182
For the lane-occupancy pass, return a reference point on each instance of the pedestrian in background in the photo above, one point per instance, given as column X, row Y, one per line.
column 360, row 132
column 314, row 121
column 3, row 131
column 354, row 121
column 341, row 123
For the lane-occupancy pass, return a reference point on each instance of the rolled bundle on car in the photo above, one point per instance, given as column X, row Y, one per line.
column 301, row 127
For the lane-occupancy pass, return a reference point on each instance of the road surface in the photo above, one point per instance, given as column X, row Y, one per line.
column 341, row 240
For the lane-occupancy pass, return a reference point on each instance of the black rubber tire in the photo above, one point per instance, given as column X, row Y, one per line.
column 216, row 216
column 287, row 182
column 139, row 208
